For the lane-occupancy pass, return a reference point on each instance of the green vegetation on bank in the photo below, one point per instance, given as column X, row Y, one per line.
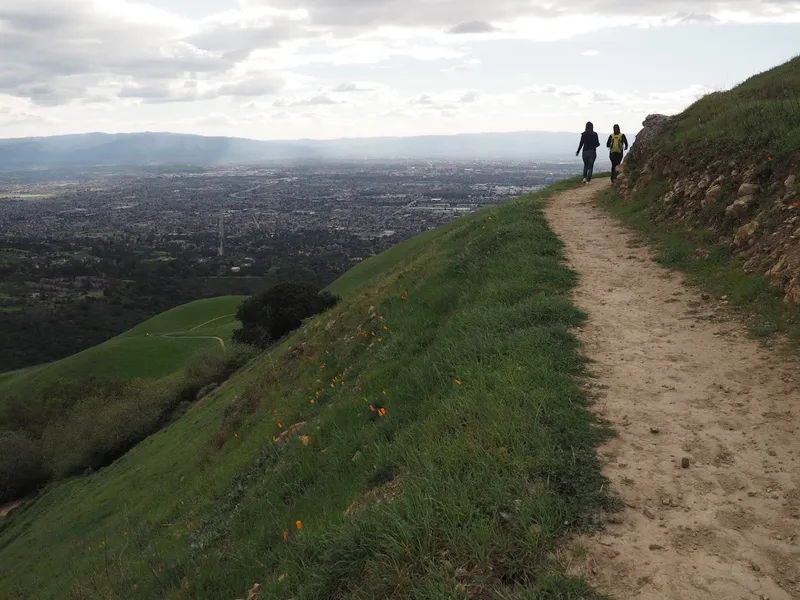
column 760, row 115
column 442, row 448
column 707, row 264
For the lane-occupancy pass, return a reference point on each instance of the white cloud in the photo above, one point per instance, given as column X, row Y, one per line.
column 67, row 63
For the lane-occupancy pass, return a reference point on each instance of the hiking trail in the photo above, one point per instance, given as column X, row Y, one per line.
column 674, row 384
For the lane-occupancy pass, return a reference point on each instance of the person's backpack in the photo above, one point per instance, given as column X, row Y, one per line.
column 616, row 143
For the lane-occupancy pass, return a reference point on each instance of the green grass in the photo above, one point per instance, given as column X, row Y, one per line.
column 133, row 355
column 483, row 462
column 714, row 268
column 760, row 115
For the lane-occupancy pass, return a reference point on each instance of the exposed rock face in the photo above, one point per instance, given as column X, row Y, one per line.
column 752, row 204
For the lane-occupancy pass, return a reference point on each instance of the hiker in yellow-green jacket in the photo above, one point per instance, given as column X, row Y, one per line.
column 617, row 144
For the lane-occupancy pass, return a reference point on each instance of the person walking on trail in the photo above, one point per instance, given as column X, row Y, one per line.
column 617, row 143
column 589, row 143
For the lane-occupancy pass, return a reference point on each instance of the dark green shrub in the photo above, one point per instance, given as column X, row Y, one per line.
column 270, row 315
column 23, row 467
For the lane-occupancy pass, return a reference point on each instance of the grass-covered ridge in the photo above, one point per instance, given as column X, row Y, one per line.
column 84, row 411
column 760, row 115
column 133, row 355
column 446, row 448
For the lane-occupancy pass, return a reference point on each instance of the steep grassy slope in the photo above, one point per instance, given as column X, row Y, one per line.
column 131, row 354
column 427, row 438
column 84, row 411
column 718, row 188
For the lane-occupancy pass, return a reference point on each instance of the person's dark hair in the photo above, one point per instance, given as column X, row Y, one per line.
column 616, row 129
column 589, row 126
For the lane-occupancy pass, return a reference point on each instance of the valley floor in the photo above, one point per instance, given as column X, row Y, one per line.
column 679, row 381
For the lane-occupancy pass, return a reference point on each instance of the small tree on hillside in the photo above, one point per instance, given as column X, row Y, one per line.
column 270, row 315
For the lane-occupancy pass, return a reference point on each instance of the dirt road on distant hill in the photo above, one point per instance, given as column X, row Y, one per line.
column 676, row 385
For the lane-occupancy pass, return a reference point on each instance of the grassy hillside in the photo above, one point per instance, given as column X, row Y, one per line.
column 133, row 355
column 84, row 411
column 760, row 115
column 427, row 438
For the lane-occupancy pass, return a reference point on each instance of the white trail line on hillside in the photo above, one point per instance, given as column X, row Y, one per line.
column 209, row 321
column 728, row 527
column 178, row 336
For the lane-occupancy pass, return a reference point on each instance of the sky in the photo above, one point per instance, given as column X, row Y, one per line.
column 288, row 69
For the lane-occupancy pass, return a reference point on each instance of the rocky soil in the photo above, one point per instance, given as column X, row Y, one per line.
column 751, row 203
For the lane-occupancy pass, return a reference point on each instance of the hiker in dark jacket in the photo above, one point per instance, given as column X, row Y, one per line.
column 589, row 143
column 617, row 143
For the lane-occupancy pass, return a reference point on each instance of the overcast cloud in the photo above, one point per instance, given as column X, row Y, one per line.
column 329, row 68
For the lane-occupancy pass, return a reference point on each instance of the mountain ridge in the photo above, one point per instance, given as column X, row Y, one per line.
column 143, row 148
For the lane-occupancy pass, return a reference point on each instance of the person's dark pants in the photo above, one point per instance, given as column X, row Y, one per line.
column 589, row 156
column 616, row 160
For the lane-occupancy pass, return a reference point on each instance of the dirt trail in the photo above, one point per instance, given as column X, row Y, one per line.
column 675, row 384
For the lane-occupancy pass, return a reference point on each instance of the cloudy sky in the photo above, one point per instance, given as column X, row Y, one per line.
column 276, row 69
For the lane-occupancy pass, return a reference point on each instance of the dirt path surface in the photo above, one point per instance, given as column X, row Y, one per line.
column 210, row 321
column 676, row 384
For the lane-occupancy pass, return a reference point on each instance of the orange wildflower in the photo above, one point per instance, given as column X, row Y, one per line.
column 280, row 426
column 380, row 340
column 299, row 525
column 331, row 385
column 316, row 394
column 382, row 412
column 371, row 408
column 458, row 382
column 312, row 401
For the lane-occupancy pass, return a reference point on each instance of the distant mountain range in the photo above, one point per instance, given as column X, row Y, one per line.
column 134, row 149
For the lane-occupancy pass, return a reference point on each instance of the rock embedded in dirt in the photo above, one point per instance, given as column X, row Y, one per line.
column 616, row 519
column 747, row 189
column 739, row 208
column 685, row 462
column 654, row 430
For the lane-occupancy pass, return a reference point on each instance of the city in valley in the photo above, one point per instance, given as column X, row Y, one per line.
column 87, row 253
